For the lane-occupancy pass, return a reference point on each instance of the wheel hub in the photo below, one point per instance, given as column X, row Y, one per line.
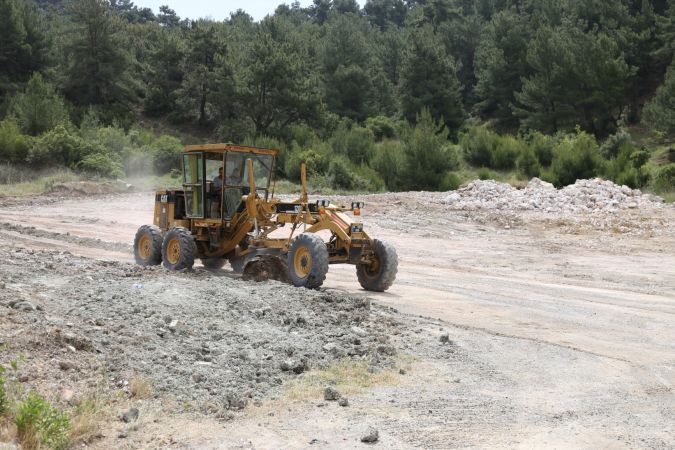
column 173, row 251
column 302, row 262
column 145, row 247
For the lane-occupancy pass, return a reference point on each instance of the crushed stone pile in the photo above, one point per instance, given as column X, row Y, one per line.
column 584, row 196
column 203, row 338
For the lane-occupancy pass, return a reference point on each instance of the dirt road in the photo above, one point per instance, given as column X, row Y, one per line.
column 566, row 334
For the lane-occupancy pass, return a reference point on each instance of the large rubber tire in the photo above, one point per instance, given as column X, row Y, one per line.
column 213, row 263
column 148, row 246
column 307, row 261
column 178, row 249
column 379, row 276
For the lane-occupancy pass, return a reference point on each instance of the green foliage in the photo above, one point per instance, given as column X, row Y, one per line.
column 627, row 167
column 382, row 127
column 664, row 178
column 543, row 146
column 340, row 176
column 505, row 153
column 60, row 147
column 102, row 165
column 166, row 152
column 355, row 142
column 429, row 80
column 428, row 155
column 39, row 108
column 450, row 182
column 527, row 161
column 659, row 113
column 389, row 161
column 478, row 145
column 13, row 144
column 316, row 162
column 96, row 62
column 576, row 157
column 614, row 143
column 39, row 423
column 4, row 398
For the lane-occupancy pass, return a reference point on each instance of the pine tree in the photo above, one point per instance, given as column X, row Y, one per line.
column 429, row 80
column 659, row 113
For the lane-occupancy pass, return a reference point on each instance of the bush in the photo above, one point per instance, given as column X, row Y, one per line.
column 4, row 399
column 166, row 153
column 428, row 154
column 389, row 162
column 60, row 147
column 316, row 163
column 13, row 144
column 664, row 178
column 627, row 166
column 101, row 165
column 543, row 146
column 527, row 162
column 614, row 143
column 339, row 174
column 451, row 181
column 486, row 174
column 576, row 157
column 356, row 143
column 505, row 153
column 39, row 424
column 478, row 145
column 382, row 127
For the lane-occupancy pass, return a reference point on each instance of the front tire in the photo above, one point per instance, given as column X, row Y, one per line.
column 178, row 249
column 381, row 273
column 308, row 261
column 148, row 246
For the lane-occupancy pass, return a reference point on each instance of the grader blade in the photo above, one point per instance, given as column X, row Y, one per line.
column 266, row 267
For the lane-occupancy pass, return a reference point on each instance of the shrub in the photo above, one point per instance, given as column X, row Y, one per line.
column 39, row 424
column 316, row 163
column 505, row 153
column 627, row 166
column 486, row 174
column 166, row 153
column 341, row 175
column 102, row 165
column 614, row 143
column 13, row 144
column 39, row 108
column 389, row 161
column 4, row 400
column 527, row 162
column 664, row 178
column 356, row 143
column 428, row 154
column 576, row 157
column 478, row 144
column 451, row 181
column 382, row 127
column 543, row 146
column 60, row 147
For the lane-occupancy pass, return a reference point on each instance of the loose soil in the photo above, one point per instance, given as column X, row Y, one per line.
column 558, row 331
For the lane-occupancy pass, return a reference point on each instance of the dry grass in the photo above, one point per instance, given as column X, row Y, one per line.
column 140, row 388
column 348, row 377
column 88, row 417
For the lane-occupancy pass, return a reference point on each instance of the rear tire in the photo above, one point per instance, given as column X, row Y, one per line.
column 178, row 249
column 213, row 263
column 148, row 246
column 380, row 275
column 308, row 261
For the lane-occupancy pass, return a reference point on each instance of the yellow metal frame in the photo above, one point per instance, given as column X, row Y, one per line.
column 260, row 218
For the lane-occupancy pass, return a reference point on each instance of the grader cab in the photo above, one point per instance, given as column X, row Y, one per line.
column 226, row 211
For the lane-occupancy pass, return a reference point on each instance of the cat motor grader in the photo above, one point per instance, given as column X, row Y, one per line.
column 234, row 217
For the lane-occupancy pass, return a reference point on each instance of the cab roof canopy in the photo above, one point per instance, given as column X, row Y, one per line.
column 224, row 148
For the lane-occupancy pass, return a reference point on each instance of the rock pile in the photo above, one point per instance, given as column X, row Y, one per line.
column 584, row 196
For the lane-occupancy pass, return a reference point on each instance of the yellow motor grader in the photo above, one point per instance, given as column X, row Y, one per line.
column 226, row 211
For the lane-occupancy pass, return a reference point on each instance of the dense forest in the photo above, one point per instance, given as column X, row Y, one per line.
column 395, row 95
